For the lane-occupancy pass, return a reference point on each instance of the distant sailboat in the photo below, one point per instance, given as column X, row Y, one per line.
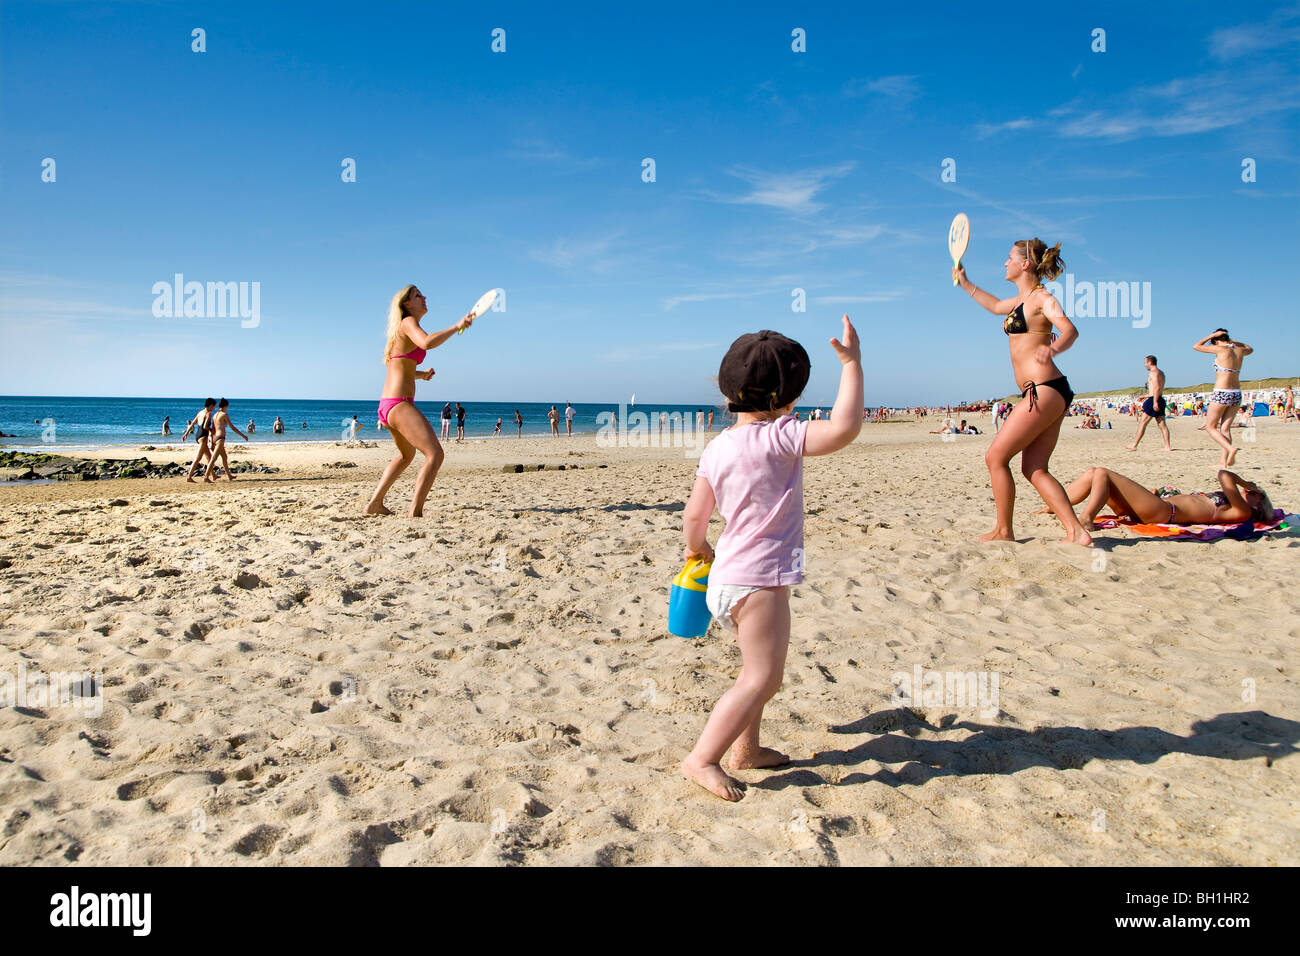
column 633, row 402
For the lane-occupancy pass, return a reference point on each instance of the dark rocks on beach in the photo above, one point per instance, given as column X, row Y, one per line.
column 59, row 468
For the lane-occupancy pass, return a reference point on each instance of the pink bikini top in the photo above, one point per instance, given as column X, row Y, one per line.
column 417, row 356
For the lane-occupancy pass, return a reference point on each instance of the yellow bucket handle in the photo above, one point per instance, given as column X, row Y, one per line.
column 689, row 576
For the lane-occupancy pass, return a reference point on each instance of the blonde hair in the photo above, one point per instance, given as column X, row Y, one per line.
column 1047, row 262
column 396, row 312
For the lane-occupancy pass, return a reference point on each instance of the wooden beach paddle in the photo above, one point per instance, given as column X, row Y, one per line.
column 958, row 239
column 485, row 302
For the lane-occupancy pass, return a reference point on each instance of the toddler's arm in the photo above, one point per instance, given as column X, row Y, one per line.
column 824, row 437
column 695, row 520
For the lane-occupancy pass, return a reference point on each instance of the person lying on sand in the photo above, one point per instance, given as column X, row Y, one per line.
column 1237, row 500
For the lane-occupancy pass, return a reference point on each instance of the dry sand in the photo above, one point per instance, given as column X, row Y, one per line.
column 288, row 682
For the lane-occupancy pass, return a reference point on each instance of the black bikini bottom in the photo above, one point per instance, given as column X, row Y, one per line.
column 1060, row 385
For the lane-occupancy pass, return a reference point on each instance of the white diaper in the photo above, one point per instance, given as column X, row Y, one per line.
column 721, row 598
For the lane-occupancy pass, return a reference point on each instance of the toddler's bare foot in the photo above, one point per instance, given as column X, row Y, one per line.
column 997, row 534
column 712, row 778
column 377, row 509
column 190, row 480
column 1232, row 456
column 758, row 759
column 1130, row 447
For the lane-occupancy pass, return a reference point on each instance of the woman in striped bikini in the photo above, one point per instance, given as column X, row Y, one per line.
column 411, row 431
column 1228, row 358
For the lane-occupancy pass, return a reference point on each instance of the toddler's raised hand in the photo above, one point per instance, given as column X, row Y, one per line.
column 849, row 350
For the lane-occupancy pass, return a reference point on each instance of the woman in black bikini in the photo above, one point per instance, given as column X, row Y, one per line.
column 1033, row 426
column 1237, row 500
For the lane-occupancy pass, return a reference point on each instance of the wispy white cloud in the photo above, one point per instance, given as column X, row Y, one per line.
column 792, row 192
column 674, row 301
column 565, row 253
column 640, row 351
column 49, row 300
column 985, row 130
column 1251, row 92
column 543, row 151
column 903, row 87
column 855, row 299
column 1282, row 29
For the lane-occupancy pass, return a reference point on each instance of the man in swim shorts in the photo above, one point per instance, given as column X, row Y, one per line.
column 1153, row 406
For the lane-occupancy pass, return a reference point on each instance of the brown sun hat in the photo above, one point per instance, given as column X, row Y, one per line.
column 763, row 371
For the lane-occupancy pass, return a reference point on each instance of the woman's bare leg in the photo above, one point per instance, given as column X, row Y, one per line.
column 1214, row 428
column 218, row 449
column 1034, row 461
column 1125, row 497
column 405, row 455
column 410, row 422
column 198, row 457
column 1018, row 432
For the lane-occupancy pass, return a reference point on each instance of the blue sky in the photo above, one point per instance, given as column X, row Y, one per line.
column 775, row 170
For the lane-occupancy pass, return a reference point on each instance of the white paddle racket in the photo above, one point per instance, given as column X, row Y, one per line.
column 958, row 239
column 485, row 302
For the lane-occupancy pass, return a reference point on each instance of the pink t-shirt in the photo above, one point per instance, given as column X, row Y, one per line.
column 756, row 473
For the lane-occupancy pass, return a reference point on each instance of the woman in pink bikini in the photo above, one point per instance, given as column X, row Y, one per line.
column 411, row 431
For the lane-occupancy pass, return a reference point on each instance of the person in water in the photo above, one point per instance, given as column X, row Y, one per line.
column 219, row 425
column 1226, row 398
column 1032, row 428
column 1237, row 500
column 404, row 350
column 201, row 425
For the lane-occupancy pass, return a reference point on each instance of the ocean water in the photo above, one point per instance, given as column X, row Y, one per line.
column 48, row 423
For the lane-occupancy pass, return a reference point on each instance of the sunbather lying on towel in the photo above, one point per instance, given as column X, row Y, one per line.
column 1239, row 500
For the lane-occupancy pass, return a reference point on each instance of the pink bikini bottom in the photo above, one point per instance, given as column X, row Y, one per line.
column 386, row 405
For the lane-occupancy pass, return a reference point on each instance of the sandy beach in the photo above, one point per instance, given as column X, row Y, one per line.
column 286, row 681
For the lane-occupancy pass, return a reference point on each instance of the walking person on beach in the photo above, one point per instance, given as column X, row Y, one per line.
column 201, row 424
column 569, row 412
column 219, row 425
column 460, row 422
column 554, row 417
column 753, row 473
column 446, row 420
column 1153, row 407
column 1288, row 409
column 519, row 424
column 405, row 349
column 1226, row 398
column 1032, row 428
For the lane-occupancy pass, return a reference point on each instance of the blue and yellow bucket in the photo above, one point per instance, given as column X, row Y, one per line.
column 688, row 612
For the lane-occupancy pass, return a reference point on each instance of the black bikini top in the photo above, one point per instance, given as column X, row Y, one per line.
column 1015, row 324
